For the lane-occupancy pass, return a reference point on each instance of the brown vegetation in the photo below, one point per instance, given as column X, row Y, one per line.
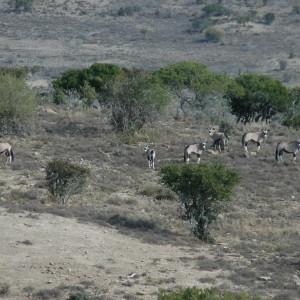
column 257, row 235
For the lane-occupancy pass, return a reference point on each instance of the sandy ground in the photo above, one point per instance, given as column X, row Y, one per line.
column 45, row 251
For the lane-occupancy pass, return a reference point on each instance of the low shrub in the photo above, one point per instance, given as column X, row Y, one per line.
column 4, row 288
column 296, row 9
column 269, row 18
column 15, row 71
column 18, row 104
column 215, row 9
column 65, row 179
column 214, row 34
column 48, row 294
column 128, row 10
column 204, row 294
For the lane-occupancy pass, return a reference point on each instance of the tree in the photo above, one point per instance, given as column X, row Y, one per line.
column 202, row 189
column 193, row 83
column 135, row 99
column 95, row 80
column 18, row 104
column 261, row 97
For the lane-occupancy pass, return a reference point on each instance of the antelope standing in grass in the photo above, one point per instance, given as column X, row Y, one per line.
column 7, row 150
column 287, row 147
column 150, row 156
column 219, row 138
column 257, row 137
column 193, row 149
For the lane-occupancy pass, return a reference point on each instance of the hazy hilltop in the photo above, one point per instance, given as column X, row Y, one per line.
column 58, row 35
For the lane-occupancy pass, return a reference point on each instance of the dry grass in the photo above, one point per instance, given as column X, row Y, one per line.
column 256, row 235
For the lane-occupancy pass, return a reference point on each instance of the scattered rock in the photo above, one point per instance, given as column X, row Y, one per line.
column 265, row 278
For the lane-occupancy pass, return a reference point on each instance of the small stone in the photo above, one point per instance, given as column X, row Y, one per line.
column 265, row 278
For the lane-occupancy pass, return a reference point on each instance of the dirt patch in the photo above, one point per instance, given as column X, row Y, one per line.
column 46, row 251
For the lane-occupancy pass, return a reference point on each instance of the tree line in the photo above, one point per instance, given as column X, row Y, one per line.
column 137, row 96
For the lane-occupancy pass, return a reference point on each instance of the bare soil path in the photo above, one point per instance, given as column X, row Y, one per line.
column 46, row 251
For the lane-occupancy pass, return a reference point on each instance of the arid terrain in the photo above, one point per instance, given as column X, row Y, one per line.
column 123, row 237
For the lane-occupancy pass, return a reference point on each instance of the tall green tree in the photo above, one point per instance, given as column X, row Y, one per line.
column 202, row 189
column 97, row 78
column 197, row 78
column 261, row 98
column 135, row 99
column 18, row 104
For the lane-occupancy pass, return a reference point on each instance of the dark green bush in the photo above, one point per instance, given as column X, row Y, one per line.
column 135, row 100
column 59, row 96
column 4, row 288
column 296, row 9
column 90, row 83
column 215, row 9
column 214, row 34
column 25, row 5
column 293, row 121
column 18, row 104
column 262, row 97
column 199, row 25
column 48, row 294
column 15, row 71
column 204, row 294
column 282, row 64
column 269, row 18
column 246, row 17
column 79, row 296
column 65, row 179
column 128, row 10
column 201, row 188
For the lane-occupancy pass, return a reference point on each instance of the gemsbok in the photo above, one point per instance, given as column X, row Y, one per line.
column 256, row 137
column 7, row 150
column 219, row 138
column 287, row 147
column 197, row 149
column 150, row 156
